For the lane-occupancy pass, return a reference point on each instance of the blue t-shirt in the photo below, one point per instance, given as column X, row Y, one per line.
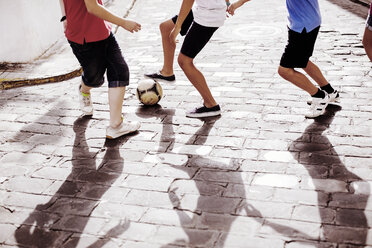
column 303, row 14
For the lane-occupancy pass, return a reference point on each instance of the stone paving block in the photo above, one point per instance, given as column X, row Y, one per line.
column 197, row 187
column 233, row 153
column 291, row 229
column 267, row 209
column 24, row 159
column 210, row 204
column 353, row 218
column 6, row 231
column 167, row 158
column 28, row 236
column 224, row 176
column 200, row 150
column 326, row 185
column 74, row 206
column 249, row 192
column 147, row 183
column 276, row 180
column 148, row 199
column 346, row 235
column 51, row 173
column 25, row 200
column 305, row 197
column 275, row 156
column 170, row 217
column 264, row 166
column 122, row 211
column 103, row 192
column 81, row 241
column 245, row 241
column 27, row 185
column 309, row 244
column 314, row 214
column 184, row 237
column 179, row 172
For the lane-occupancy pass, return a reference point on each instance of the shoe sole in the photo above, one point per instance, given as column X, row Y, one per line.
column 115, row 137
column 206, row 114
column 87, row 114
column 336, row 100
column 160, row 79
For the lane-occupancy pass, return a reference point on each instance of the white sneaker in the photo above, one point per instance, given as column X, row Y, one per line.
column 317, row 106
column 333, row 97
column 86, row 105
column 125, row 127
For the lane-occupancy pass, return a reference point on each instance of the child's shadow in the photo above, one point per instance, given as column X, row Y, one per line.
column 68, row 211
column 342, row 221
column 212, row 207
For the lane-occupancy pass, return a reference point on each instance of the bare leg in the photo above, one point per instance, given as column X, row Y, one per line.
column 168, row 47
column 298, row 79
column 85, row 89
column 116, row 98
column 197, row 79
column 367, row 43
column 315, row 73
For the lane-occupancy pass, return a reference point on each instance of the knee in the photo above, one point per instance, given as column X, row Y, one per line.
column 285, row 72
column 183, row 61
column 165, row 28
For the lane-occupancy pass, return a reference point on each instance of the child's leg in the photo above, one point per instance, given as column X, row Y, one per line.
column 367, row 42
column 168, row 47
column 84, row 88
column 195, row 40
column 298, row 79
column 197, row 79
column 116, row 98
column 314, row 72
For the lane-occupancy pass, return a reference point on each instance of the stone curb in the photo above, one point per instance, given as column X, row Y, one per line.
column 15, row 83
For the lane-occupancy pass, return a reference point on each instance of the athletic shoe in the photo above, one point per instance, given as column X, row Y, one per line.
column 158, row 75
column 317, row 106
column 204, row 112
column 86, row 105
column 333, row 97
column 124, row 128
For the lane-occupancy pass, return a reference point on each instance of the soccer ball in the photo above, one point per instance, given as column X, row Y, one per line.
column 149, row 92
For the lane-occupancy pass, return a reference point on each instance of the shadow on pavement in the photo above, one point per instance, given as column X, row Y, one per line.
column 59, row 222
column 357, row 9
column 214, row 213
column 342, row 216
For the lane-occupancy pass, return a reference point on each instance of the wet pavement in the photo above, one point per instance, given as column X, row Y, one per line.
column 260, row 175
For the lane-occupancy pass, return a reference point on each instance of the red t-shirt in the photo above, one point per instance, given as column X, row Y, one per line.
column 82, row 26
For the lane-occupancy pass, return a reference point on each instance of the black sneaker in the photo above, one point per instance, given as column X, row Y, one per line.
column 157, row 75
column 204, row 112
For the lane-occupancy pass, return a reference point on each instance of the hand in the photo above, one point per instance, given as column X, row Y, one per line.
column 231, row 9
column 173, row 35
column 131, row 26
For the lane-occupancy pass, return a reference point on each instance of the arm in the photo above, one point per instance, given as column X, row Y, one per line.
column 101, row 12
column 63, row 11
column 184, row 11
column 231, row 9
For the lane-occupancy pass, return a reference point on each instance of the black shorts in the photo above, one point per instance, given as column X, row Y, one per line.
column 97, row 57
column 186, row 23
column 299, row 48
column 197, row 37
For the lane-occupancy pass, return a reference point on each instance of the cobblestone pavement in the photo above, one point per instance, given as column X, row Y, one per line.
column 258, row 176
